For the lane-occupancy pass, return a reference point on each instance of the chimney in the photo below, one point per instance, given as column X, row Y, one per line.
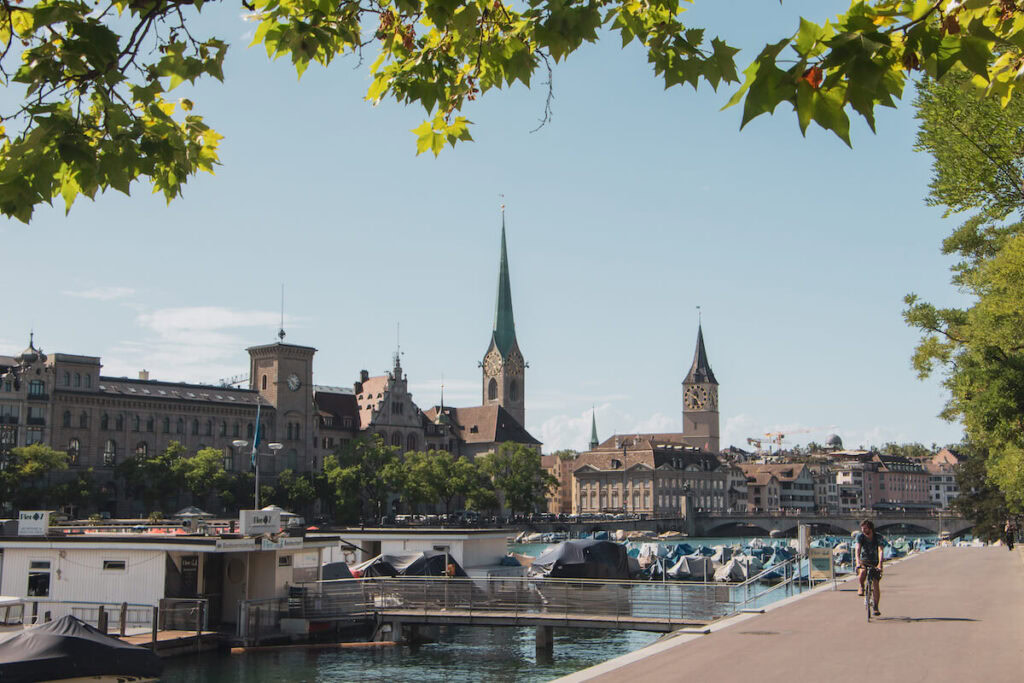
column 144, row 375
column 357, row 387
column 364, row 375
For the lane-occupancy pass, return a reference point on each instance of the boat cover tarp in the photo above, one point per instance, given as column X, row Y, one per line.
column 426, row 563
column 69, row 648
column 723, row 553
column 332, row 571
column 692, row 567
column 584, row 559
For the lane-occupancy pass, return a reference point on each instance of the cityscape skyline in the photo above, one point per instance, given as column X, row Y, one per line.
column 628, row 210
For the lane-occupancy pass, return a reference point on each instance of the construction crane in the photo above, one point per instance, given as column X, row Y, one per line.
column 756, row 443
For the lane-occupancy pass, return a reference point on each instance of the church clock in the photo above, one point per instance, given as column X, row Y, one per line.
column 492, row 363
column 695, row 398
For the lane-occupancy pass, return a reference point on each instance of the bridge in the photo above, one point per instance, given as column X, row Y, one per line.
column 401, row 608
column 782, row 523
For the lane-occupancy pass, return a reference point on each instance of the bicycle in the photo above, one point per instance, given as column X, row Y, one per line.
column 869, row 582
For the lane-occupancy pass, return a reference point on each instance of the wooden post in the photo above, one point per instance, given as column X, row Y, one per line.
column 101, row 620
column 35, row 611
column 156, row 625
column 199, row 625
column 256, row 629
column 545, row 640
column 124, row 616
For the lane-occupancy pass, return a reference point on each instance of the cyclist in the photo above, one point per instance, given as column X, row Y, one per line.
column 868, row 554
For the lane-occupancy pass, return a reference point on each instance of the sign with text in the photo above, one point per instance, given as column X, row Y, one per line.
column 820, row 560
column 33, row 522
column 256, row 522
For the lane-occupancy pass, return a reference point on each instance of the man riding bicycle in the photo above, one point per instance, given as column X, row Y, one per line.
column 868, row 554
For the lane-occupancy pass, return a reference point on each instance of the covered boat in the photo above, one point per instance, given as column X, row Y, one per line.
column 425, row 563
column 583, row 559
column 69, row 648
column 695, row 567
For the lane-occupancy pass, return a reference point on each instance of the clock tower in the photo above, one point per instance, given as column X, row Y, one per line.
column 504, row 369
column 700, row 400
column 282, row 374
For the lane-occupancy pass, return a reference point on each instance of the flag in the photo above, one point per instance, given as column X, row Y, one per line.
column 257, row 435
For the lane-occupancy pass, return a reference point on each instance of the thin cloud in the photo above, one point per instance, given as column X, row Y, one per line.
column 573, row 431
column 101, row 293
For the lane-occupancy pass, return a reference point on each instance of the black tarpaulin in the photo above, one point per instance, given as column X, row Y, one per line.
column 584, row 559
column 68, row 648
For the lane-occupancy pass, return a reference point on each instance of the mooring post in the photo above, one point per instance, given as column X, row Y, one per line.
column 545, row 639
column 124, row 617
column 156, row 625
column 199, row 626
column 101, row 620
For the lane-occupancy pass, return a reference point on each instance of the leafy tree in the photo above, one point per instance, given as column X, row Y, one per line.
column 976, row 149
column 516, row 471
column 907, row 450
column 294, row 492
column 80, row 491
column 440, row 477
column 979, row 500
column 97, row 110
column 156, row 479
column 24, row 482
column 203, row 473
column 363, row 472
column 566, row 454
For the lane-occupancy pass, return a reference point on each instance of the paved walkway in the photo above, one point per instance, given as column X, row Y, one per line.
column 951, row 614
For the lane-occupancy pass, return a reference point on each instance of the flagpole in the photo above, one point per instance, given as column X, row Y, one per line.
column 255, row 460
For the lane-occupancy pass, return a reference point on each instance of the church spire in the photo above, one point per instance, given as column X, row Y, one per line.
column 504, row 334
column 594, row 443
column 700, row 371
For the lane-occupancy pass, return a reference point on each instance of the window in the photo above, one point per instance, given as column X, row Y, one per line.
column 284, row 560
column 223, row 428
column 78, row 379
column 141, row 449
column 396, row 439
column 38, row 579
column 135, row 423
column 236, row 430
column 180, row 426
column 492, row 390
column 74, row 448
column 36, row 388
column 67, row 418
column 67, row 378
column 115, row 565
column 195, row 427
column 88, row 381
column 209, row 428
column 289, row 431
column 410, row 442
column 249, row 430
column 119, row 423
column 110, row 453
column 297, row 430
column 33, row 435
column 150, row 423
column 346, row 422
column 83, row 420
column 167, row 425
column 264, row 384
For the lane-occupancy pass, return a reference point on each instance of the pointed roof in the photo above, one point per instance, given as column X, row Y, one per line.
column 700, row 371
column 593, row 431
column 504, row 334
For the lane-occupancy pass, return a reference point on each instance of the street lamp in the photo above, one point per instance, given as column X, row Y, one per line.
column 274, row 446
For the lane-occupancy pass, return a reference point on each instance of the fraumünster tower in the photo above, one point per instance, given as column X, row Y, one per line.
column 504, row 370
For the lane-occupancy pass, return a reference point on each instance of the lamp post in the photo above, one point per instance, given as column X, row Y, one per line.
column 274, row 446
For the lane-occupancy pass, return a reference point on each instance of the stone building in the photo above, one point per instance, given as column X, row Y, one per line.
column 795, row 483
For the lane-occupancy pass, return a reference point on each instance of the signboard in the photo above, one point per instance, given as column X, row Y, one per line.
column 821, row 564
column 267, row 544
column 256, row 522
column 33, row 522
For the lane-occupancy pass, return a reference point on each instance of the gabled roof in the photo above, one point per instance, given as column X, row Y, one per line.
column 700, row 371
column 373, row 392
column 177, row 391
column 485, row 424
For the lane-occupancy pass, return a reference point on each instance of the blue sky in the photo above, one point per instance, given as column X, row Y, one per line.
column 632, row 207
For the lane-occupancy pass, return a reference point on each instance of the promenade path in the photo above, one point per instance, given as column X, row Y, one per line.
column 951, row 614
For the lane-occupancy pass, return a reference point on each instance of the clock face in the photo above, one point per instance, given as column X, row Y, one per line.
column 515, row 363
column 695, row 398
column 492, row 363
column 294, row 382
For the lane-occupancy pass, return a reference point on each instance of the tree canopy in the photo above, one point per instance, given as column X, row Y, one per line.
column 977, row 149
column 97, row 110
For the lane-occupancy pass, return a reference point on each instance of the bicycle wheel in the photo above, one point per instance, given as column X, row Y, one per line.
column 867, row 595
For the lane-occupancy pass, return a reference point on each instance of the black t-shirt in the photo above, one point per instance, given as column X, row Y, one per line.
column 869, row 549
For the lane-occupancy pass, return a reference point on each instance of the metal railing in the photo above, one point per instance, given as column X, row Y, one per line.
column 110, row 617
column 635, row 604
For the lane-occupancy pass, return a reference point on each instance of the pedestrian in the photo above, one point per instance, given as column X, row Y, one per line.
column 1010, row 532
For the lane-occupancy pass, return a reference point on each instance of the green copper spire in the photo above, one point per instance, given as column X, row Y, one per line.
column 594, row 443
column 504, row 335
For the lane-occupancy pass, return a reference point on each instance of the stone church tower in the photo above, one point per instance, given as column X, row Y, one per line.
column 700, row 400
column 503, row 366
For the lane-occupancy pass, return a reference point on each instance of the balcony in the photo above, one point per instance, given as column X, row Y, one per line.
column 8, row 419
column 36, row 420
column 38, row 397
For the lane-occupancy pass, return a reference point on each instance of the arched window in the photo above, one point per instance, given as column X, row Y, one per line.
column 74, row 448
column 67, row 418
column 150, row 423
column 195, row 427
column 209, row 428
column 67, row 378
column 119, row 422
column 167, row 425
column 83, row 420
column 88, row 381
column 513, row 390
column 396, row 439
column 136, row 423
column 104, row 422
column 264, row 383
column 410, row 442
column 36, row 388
column 492, row 390
column 249, row 430
column 78, row 379
column 236, row 430
column 289, row 431
column 297, row 431
column 141, row 449
column 223, row 428
column 180, row 426
column 110, row 453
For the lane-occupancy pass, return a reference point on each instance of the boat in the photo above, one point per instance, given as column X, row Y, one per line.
column 68, row 650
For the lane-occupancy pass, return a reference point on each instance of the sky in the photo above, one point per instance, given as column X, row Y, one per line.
column 630, row 209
